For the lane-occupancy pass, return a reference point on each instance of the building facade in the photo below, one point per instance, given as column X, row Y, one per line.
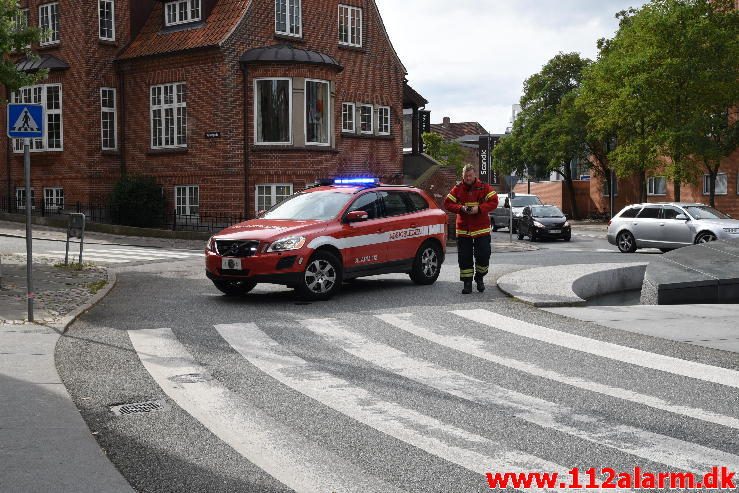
column 231, row 105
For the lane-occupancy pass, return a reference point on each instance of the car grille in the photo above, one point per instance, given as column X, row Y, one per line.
column 237, row 248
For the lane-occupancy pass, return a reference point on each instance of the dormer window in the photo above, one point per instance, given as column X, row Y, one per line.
column 182, row 12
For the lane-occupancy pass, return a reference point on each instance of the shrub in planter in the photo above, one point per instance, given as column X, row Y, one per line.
column 137, row 201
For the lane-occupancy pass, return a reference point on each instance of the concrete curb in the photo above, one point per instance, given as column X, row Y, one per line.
column 63, row 324
column 571, row 285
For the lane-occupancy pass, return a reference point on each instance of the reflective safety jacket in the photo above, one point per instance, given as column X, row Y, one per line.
column 478, row 194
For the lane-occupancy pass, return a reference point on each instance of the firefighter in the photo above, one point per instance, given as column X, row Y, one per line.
column 472, row 200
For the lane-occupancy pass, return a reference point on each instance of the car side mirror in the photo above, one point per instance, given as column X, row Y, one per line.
column 356, row 216
column 506, row 205
column 681, row 217
column 261, row 213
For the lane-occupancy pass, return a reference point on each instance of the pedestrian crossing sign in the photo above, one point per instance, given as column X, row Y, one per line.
column 25, row 121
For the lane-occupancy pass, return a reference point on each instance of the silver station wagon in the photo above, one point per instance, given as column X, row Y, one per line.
column 668, row 226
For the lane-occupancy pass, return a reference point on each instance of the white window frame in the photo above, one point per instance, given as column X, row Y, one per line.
column 707, row 184
column 111, row 4
column 56, row 198
column 351, row 14
column 20, row 199
column 288, row 5
column 103, row 111
column 174, row 106
column 371, row 131
column 22, row 21
column 380, row 123
column 42, row 144
column 273, row 193
column 290, row 112
column 188, row 5
column 408, row 111
column 353, row 113
column 53, row 36
column 186, row 205
column 327, row 111
column 651, row 188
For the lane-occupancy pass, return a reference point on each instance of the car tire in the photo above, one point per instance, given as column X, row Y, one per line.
column 665, row 250
column 321, row 278
column 567, row 237
column 492, row 225
column 234, row 288
column 705, row 237
column 532, row 236
column 520, row 235
column 427, row 264
column 626, row 242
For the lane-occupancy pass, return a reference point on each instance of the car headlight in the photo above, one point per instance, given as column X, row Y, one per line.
column 211, row 246
column 732, row 230
column 538, row 224
column 286, row 244
column 566, row 224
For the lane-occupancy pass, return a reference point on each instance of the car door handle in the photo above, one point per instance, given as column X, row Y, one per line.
column 661, row 224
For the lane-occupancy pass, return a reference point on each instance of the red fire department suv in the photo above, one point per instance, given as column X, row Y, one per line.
column 327, row 234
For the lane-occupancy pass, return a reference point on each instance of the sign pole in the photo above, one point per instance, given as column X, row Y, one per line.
column 29, row 237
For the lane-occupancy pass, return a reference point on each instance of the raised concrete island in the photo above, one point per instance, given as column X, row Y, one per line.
column 705, row 273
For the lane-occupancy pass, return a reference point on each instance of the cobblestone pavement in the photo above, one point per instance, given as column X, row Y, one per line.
column 59, row 290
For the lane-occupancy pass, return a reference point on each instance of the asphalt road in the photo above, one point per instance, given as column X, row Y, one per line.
column 387, row 387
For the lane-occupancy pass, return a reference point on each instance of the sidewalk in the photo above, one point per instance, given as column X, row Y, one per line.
column 45, row 445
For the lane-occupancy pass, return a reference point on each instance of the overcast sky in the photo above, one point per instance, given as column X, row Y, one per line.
column 469, row 58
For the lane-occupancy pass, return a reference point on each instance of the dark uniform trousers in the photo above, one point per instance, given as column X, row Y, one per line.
column 474, row 256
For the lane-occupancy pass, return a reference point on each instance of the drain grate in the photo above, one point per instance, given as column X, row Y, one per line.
column 137, row 408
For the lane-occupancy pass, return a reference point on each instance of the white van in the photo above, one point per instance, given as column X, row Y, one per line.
column 499, row 218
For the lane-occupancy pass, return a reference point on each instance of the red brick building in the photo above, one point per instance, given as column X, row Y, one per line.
column 230, row 104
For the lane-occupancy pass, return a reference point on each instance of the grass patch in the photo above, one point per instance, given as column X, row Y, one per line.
column 96, row 286
column 74, row 266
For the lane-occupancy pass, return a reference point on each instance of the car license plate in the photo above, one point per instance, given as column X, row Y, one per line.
column 555, row 230
column 231, row 264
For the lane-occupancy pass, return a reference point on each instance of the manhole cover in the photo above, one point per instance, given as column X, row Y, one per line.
column 191, row 378
column 137, row 408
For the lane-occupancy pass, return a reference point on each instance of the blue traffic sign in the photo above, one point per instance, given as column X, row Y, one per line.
column 25, row 121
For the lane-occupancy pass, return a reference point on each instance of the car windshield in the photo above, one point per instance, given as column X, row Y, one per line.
column 523, row 201
column 547, row 211
column 316, row 206
column 705, row 212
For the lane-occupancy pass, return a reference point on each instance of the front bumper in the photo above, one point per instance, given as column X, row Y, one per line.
column 285, row 268
column 546, row 233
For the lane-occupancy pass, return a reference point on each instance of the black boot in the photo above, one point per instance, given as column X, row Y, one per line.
column 480, row 284
column 467, row 287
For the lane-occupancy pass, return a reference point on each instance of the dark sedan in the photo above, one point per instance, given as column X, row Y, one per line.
column 544, row 221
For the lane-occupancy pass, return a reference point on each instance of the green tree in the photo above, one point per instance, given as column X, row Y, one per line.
column 449, row 153
column 550, row 128
column 16, row 37
column 659, row 81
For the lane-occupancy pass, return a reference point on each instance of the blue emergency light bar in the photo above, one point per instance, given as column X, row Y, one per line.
column 356, row 181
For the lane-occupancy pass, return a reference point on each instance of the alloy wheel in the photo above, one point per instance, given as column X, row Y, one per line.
column 320, row 276
column 429, row 262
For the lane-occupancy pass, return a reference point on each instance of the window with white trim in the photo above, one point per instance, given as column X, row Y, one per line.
column 106, row 17
column 288, row 18
column 348, row 114
column 182, row 12
column 48, row 22
column 657, row 185
column 366, row 113
column 108, row 118
column 20, row 21
column 273, row 111
column 187, row 200
column 722, row 184
column 350, row 25
column 53, row 199
column 271, row 194
column 168, row 116
column 50, row 96
column 407, row 130
column 20, row 198
column 383, row 120
column 317, row 112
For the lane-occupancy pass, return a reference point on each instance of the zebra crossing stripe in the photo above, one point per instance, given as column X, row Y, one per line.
column 132, row 254
column 466, row 449
column 623, row 354
column 482, row 350
column 291, row 459
column 85, row 257
column 642, row 443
